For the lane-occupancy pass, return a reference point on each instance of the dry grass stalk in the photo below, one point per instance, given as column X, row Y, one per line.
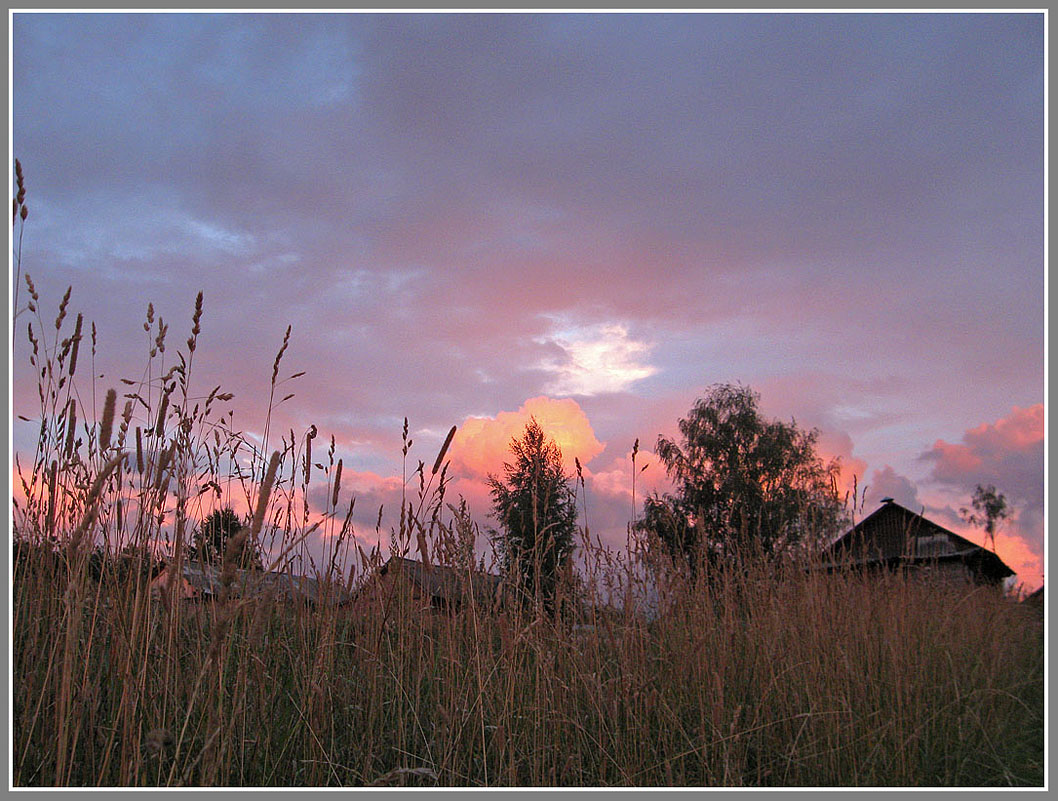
column 106, row 427
column 337, row 484
column 768, row 675
column 71, row 427
column 91, row 501
column 76, row 345
column 443, row 451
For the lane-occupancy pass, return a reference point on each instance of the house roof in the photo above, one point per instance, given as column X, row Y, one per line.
column 894, row 533
column 204, row 580
column 445, row 582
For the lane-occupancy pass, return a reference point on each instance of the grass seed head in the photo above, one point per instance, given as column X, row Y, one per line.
column 107, row 426
column 337, row 484
column 443, row 451
column 62, row 308
column 279, row 356
column 71, row 427
column 76, row 343
column 20, row 181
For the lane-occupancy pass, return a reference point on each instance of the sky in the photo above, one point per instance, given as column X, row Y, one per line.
column 592, row 218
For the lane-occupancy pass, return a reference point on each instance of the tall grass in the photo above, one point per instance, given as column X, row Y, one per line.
column 770, row 674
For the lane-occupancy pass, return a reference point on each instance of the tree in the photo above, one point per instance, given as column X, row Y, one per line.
column 537, row 514
column 131, row 562
column 990, row 508
column 211, row 540
column 742, row 481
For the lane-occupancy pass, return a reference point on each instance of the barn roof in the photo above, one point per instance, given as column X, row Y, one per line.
column 893, row 533
column 444, row 582
column 203, row 580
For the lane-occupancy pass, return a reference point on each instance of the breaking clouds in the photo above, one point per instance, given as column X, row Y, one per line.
column 468, row 218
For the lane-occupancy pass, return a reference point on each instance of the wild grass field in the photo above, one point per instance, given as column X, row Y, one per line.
column 771, row 674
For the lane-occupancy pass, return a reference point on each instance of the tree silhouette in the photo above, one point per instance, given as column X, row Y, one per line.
column 212, row 537
column 741, row 482
column 537, row 514
column 990, row 509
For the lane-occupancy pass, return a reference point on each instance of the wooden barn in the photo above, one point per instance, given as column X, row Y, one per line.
column 434, row 588
column 894, row 537
column 201, row 582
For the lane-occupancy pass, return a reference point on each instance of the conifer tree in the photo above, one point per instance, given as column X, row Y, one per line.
column 537, row 514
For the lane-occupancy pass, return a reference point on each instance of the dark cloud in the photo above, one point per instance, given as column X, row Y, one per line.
column 887, row 483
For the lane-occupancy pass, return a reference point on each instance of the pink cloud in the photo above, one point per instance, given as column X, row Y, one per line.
column 614, row 479
column 1007, row 453
column 482, row 444
column 1021, row 558
column 1021, row 430
column 838, row 445
column 953, row 461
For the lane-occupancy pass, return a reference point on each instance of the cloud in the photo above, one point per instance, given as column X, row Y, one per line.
column 887, row 483
column 838, row 445
column 1022, row 559
column 1009, row 454
column 372, row 503
column 598, row 358
column 459, row 212
column 614, row 479
column 482, row 444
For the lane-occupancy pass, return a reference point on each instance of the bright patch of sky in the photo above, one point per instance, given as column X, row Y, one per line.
column 846, row 412
column 218, row 238
column 136, row 229
column 601, row 358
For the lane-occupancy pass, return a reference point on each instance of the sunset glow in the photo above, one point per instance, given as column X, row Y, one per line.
column 482, row 445
column 586, row 219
